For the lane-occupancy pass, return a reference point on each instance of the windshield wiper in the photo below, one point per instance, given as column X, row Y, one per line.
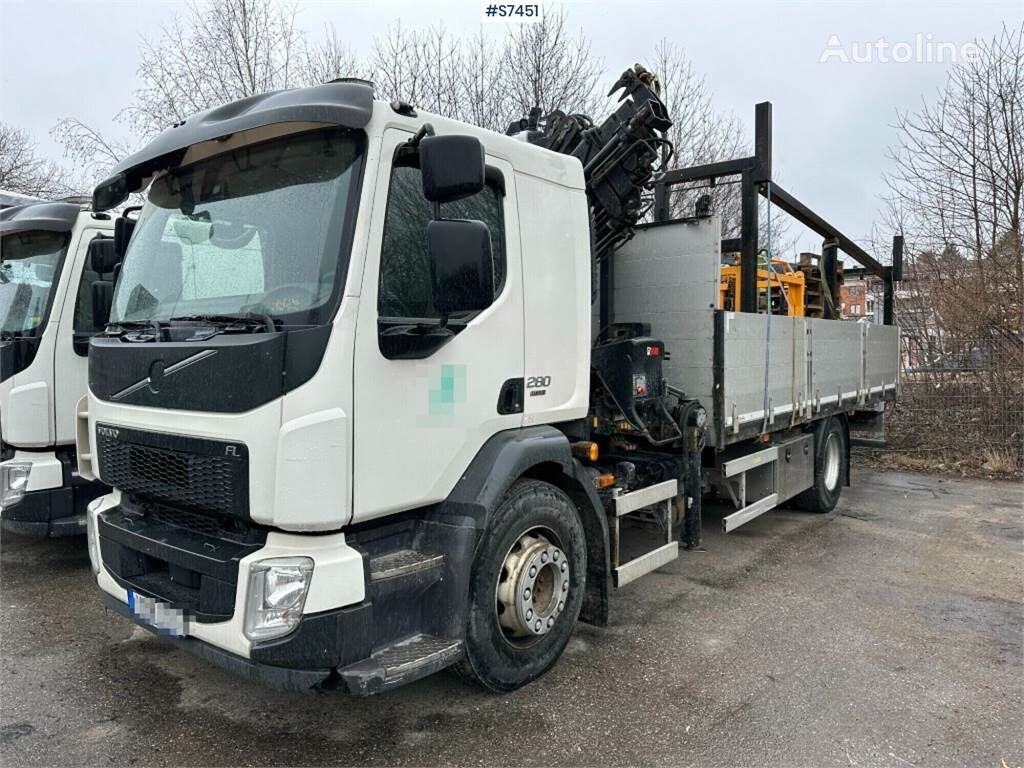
column 244, row 321
column 131, row 325
column 134, row 330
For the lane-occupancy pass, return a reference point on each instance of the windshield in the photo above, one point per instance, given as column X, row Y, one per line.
column 261, row 229
column 29, row 268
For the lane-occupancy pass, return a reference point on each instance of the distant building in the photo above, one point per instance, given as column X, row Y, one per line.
column 853, row 296
column 859, row 300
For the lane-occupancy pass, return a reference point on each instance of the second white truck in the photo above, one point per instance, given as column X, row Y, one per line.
column 49, row 255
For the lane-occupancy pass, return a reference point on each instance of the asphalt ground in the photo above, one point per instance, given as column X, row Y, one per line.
column 887, row 633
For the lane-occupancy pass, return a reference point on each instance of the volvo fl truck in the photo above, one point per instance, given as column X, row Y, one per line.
column 384, row 393
column 49, row 256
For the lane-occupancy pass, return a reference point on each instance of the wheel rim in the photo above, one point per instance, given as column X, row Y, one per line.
column 533, row 586
column 832, row 461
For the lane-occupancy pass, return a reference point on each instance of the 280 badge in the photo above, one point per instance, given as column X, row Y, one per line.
column 537, row 385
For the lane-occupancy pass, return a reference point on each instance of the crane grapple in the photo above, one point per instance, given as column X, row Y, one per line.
column 620, row 157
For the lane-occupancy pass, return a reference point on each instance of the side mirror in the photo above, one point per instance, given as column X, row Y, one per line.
column 110, row 193
column 461, row 265
column 452, row 167
column 102, row 301
column 103, row 255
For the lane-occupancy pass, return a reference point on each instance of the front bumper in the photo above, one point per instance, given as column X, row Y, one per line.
column 335, row 629
column 56, row 499
column 262, row 672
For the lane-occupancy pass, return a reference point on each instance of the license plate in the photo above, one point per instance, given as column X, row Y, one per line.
column 165, row 619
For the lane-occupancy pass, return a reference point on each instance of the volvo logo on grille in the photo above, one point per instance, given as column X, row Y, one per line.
column 158, row 374
column 108, row 432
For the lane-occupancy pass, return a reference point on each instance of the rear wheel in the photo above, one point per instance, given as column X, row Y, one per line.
column 830, row 452
column 526, row 588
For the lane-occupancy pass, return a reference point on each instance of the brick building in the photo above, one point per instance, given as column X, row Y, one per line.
column 858, row 300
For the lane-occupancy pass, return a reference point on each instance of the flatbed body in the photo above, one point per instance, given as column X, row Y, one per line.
column 755, row 373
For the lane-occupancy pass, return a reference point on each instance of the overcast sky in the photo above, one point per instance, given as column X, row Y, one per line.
column 833, row 120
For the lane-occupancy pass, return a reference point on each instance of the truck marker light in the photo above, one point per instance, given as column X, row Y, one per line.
column 585, row 450
column 604, row 481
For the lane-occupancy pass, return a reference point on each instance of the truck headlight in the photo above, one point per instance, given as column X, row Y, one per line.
column 13, row 482
column 277, row 592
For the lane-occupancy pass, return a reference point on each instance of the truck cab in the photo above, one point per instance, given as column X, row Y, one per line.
column 279, row 395
column 46, row 310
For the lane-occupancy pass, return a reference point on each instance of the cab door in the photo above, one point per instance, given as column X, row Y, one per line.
column 419, row 421
column 74, row 329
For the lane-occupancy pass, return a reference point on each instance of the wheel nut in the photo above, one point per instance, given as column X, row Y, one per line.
column 565, row 566
column 533, row 571
column 537, row 626
column 551, row 623
column 543, row 557
column 526, row 594
column 529, row 613
column 554, row 555
column 561, row 607
column 565, row 586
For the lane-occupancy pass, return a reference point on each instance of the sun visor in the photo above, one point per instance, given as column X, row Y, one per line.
column 35, row 217
column 348, row 103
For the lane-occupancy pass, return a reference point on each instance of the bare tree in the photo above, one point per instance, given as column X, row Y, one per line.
column 422, row 67
column 488, row 81
column 328, row 60
column 544, row 65
column 956, row 193
column 700, row 134
column 483, row 104
column 91, row 152
column 24, row 171
column 397, row 66
column 216, row 53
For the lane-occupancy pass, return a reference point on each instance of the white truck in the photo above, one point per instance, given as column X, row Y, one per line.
column 384, row 393
column 47, row 278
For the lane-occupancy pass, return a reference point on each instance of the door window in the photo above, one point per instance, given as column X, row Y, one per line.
column 405, row 290
column 83, row 320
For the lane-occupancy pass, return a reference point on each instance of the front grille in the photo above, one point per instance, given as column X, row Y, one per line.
column 196, row 474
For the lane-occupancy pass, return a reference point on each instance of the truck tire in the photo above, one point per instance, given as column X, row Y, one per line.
column 830, row 451
column 526, row 587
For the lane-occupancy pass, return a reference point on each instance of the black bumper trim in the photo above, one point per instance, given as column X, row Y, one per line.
column 52, row 511
column 65, row 526
column 302, row 680
column 191, row 568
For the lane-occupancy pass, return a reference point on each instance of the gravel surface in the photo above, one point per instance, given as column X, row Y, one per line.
column 887, row 633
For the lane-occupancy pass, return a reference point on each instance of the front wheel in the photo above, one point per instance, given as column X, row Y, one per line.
column 830, row 452
column 526, row 588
